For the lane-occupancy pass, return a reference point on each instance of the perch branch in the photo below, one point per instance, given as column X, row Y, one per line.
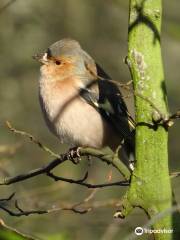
column 60, row 158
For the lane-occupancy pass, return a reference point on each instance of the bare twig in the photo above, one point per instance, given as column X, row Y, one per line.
column 20, row 212
column 32, row 139
column 15, row 231
column 88, row 185
column 35, row 172
column 89, row 197
column 81, row 207
column 85, row 201
column 122, row 85
column 8, row 198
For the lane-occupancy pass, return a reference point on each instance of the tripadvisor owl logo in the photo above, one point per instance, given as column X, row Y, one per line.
column 138, row 231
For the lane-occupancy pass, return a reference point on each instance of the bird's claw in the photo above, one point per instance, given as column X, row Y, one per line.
column 74, row 155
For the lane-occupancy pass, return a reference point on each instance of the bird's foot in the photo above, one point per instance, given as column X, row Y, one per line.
column 74, row 155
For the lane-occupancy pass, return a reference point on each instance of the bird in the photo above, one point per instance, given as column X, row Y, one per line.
column 80, row 103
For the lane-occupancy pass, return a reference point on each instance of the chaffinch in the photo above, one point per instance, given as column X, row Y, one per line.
column 81, row 105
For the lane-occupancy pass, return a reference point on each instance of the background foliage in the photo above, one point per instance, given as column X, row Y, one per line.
column 28, row 27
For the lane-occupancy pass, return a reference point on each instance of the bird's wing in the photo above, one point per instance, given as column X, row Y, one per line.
column 107, row 99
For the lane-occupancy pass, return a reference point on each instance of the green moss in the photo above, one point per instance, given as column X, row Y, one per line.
column 150, row 187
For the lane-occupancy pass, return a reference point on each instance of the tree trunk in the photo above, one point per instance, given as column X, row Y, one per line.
column 150, row 187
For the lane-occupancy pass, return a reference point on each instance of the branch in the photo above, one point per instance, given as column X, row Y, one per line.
column 32, row 139
column 21, row 212
column 109, row 158
column 13, row 233
column 81, row 207
column 35, row 172
column 46, row 170
column 7, row 199
column 88, row 185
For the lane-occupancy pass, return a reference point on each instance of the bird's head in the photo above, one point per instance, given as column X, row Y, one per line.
column 63, row 59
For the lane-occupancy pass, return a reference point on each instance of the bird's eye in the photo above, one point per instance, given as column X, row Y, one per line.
column 58, row 62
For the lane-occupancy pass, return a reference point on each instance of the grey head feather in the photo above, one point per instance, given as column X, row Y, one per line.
column 63, row 47
column 71, row 48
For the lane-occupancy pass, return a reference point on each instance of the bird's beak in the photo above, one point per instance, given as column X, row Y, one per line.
column 41, row 57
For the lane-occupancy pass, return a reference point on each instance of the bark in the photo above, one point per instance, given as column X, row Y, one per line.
column 150, row 186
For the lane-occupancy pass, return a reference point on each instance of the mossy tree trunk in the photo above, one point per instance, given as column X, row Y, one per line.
column 150, row 187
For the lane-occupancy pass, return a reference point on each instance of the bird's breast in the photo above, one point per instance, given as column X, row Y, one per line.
column 71, row 118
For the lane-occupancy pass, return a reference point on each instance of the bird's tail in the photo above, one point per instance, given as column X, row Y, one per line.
column 129, row 148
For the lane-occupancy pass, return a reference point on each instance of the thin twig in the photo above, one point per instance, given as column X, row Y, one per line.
column 13, row 230
column 85, row 207
column 8, row 198
column 88, row 185
column 22, row 213
column 96, row 76
column 32, row 139
column 85, row 201
column 35, row 172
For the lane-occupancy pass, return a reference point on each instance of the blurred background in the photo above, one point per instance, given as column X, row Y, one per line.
column 29, row 27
